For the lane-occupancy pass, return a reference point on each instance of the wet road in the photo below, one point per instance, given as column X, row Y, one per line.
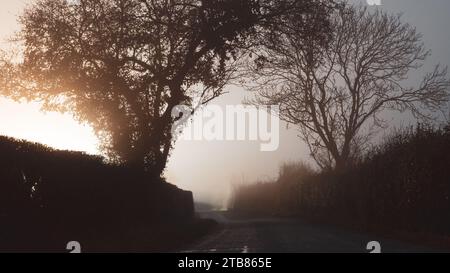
column 281, row 235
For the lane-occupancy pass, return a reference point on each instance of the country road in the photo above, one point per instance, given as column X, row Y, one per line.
column 281, row 235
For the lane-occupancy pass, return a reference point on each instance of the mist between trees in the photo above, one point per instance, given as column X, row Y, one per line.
column 399, row 185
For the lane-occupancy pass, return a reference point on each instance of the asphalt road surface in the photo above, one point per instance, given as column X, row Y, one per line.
column 281, row 235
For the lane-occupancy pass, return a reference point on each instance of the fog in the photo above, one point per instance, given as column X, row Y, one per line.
column 209, row 168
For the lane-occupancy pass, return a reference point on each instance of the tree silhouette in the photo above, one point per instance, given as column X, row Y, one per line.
column 335, row 94
column 123, row 65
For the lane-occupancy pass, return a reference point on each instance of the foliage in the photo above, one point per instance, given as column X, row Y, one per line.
column 123, row 65
column 403, row 184
column 48, row 198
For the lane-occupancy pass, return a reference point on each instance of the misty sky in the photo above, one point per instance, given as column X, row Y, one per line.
column 208, row 168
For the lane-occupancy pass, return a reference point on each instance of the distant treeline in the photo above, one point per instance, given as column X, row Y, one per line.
column 49, row 197
column 402, row 184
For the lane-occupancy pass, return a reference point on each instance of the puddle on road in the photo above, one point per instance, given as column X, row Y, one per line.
column 245, row 249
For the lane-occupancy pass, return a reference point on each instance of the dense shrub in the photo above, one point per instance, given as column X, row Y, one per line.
column 50, row 197
column 402, row 184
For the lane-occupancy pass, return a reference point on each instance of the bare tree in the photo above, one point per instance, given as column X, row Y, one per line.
column 332, row 93
column 123, row 65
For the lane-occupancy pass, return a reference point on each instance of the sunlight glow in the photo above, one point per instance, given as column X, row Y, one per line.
column 25, row 120
column 60, row 131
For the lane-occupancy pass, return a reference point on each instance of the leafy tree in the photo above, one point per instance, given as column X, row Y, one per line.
column 123, row 65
